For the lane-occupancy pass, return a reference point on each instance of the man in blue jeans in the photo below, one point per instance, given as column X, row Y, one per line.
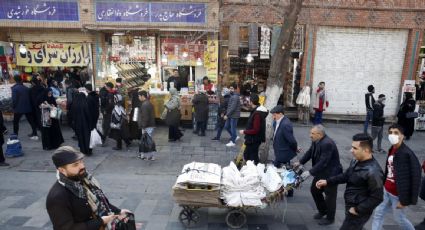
column 369, row 101
column 232, row 115
column 401, row 181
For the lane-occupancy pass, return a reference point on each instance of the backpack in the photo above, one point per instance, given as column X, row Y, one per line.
column 13, row 147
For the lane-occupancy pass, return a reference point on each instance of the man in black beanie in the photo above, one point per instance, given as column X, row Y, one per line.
column 76, row 201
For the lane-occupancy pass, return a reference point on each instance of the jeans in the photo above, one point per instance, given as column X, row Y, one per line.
column 149, row 131
column 230, row 126
column 377, row 131
column 318, row 117
column 326, row 205
column 353, row 222
column 390, row 203
column 369, row 115
column 30, row 119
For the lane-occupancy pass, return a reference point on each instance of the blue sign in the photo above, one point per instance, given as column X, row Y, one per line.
column 34, row 10
column 159, row 12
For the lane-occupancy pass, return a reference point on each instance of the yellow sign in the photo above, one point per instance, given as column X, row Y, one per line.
column 53, row 54
column 211, row 58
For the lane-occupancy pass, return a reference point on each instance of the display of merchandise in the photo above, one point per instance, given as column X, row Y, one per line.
column 420, row 121
column 6, row 97
column 212, row 116
column 131, row 73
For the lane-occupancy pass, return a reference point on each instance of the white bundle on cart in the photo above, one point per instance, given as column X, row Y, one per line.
column 242, row 188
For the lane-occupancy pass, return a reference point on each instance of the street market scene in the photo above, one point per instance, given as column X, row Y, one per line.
column 212, row 114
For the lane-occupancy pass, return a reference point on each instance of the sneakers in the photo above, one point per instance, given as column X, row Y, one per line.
column 237, row 138
column 151, row 158
column 142, row 156
column 34, row 138
column 230, row 144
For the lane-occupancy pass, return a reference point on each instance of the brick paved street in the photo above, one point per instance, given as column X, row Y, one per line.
column 145, row 187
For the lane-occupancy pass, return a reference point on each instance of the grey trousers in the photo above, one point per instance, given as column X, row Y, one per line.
column 378, row 131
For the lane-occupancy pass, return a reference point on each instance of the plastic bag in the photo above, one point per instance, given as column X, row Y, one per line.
column 288, row 177
column 271, row 179
column 95, row 138
column 99, row 126
column 147, row 144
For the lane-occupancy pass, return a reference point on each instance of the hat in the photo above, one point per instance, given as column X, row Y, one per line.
column 66, row 155
column 277, row 109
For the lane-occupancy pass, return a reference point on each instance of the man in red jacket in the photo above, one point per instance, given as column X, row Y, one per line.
column 320, row 103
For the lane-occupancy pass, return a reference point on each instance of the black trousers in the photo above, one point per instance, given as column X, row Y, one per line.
column 174, row 132
column 325, row 199
column 30, row 118
column 201, row 126
column 251, row 152
column 353, row 222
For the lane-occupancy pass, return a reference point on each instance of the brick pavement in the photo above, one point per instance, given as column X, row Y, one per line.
column 145, row 187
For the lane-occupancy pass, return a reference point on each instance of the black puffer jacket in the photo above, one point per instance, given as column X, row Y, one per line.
column 378, row 115
column 407, row 175
column 364, row 190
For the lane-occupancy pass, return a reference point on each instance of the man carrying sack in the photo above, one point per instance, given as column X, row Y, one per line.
column 76, row 201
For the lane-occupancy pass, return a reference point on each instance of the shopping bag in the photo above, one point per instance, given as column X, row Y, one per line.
column 55, row 113
column 99, row 123
column 95, row 138
column 146, row 144
column 127, row 223
column 13, row 147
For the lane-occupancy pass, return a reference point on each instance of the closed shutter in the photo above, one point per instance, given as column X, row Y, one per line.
column 350, row 59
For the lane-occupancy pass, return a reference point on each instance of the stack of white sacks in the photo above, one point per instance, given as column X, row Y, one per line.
column 247, row 187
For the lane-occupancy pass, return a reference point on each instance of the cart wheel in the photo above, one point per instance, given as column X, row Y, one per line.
column 236, row 219
column 189, row 217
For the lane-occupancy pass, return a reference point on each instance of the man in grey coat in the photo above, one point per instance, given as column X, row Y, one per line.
column 200, row 103
column 146, row 121
column 232, row 115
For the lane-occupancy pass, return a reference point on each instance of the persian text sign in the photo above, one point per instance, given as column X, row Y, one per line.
column 150, row 12
column 34, row 10
column 53, row 54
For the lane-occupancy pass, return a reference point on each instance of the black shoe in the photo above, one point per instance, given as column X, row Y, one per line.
column 116, row 148
column 318, row 216
column 172, row 140
column 420, row 226
column 4, row 164
column 202, row 135
column 194, row 132
column 290, row 193
column 215, row 139
column 326, row 222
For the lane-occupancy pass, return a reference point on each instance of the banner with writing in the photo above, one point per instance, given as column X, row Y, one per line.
column 159, row 12
column 53, row 54
column 34, row 10
column 211, row 57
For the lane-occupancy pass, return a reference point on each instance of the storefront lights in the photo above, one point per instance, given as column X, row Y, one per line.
column 164, row 58
column 249, row 58
column 22, row 49
column 185, row 54
column 199, row 62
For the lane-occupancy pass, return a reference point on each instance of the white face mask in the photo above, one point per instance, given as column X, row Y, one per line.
column 394, row 139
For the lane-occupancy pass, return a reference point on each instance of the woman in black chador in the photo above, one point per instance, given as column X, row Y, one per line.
column 82, row 118
column 51, row 136
column 408, row 123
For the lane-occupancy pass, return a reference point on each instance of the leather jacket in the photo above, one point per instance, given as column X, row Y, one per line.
column 364, row 190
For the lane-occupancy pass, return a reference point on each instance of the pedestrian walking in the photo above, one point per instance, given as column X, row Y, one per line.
column 200, row 105
column 119, row 124
column 221, row 113
column 405, row 119
column 255, row 132
column 82, row 120
column 324, row 156
column 363, row 191
column 303, row 102
column 402, row 179
column 135, row 131
column 51, row 136
column 232, row 115
column 378, row 121
column 146, row 121
column 93, row 106
column 76, row 200
column 21, row 104
column 2, row 131
column 320, row 103
column 70, row 90
column 172, row 118
column 106, row 95
column 369, row 102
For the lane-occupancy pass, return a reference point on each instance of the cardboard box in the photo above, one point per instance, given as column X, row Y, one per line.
column 186, row 112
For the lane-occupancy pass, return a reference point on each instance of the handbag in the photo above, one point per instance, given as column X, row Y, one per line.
column 55, row 113
column 95, row 139
column 412, row 115
column 128, row 223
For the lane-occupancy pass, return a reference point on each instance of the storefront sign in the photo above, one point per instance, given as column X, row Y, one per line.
column 265, row 43
column 34, row 10
column 161, row 12
column 211, row 58
column 53, row 54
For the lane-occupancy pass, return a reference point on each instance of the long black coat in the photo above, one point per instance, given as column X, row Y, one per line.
column 407, row 123
column 82, row 122
column 324, row 157
column 51, row 137
column 407, row 175
column 93, row 106
column 200, row 103
column 67, row 211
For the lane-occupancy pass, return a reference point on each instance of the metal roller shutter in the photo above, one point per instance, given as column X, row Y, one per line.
column 350, row 59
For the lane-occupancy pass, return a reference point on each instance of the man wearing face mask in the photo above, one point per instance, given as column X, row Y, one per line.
column 401, row 181
column 76, row 201
column 378, row 121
